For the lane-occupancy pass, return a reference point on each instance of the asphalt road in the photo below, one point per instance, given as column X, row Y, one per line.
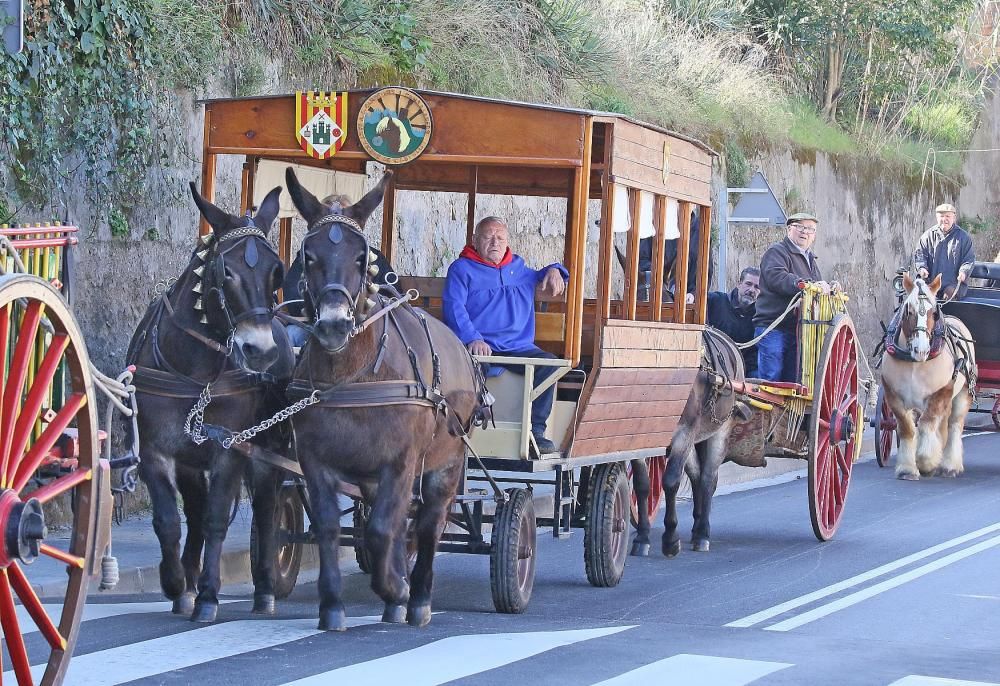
column 908, row 593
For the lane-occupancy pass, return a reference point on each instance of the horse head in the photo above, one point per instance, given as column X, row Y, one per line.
column 920, row 315
column 338, row 264
column 239, row 277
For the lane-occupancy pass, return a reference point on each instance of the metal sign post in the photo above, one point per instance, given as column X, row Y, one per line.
column 757, row 204
column 12, row 24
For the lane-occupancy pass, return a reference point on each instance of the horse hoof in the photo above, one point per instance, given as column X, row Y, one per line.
column 672, row 549
column 419, row 616
column 332, row 620
column 204, row 613
column 394, row 614
column 640, row 549
column 172, row 579
column 183, row 605
column 700, row 546
column 263, row 604
column 948, row 473
column 908, row 476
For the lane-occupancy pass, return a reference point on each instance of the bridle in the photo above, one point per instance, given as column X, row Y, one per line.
column 359, row 302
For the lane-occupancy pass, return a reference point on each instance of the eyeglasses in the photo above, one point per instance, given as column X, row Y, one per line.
column 804, row 229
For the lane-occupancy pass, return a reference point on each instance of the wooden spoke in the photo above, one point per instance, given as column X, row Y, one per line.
column 18, row 372
column 34, row 607
column 72, row 560
column 12, row 633
column 53, row 432
column 62, row 485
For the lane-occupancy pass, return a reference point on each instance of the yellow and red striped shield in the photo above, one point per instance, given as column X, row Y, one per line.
column 321, row 122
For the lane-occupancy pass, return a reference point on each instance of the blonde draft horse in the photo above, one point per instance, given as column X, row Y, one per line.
column 926, row 371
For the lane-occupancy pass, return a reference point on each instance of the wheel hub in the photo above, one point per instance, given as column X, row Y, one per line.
column 841, row 427
column 23, row 528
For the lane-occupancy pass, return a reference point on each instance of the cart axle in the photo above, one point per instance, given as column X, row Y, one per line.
column 23, row 527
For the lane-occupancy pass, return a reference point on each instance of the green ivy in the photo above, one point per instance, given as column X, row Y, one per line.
column 77, row 102
column 118, row 223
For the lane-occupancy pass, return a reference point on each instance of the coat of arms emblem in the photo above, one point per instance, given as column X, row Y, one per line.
column 321, row 122
column 394, row 125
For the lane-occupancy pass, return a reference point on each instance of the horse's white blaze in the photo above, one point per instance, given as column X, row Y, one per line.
column 259, row 336
column 338, row 311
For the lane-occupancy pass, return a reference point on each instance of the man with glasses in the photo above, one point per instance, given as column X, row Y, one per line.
column 784, row 266
column 946, row 249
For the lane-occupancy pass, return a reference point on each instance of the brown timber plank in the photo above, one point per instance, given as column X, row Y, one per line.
column 650, row 339
column 599, row 446
column 655, row 325
column 647, row 377
column 650, row 358
column 654, row 139
column 675, row 183
column 625, row 427
column 633, row 410
column 550, row 326
column 653, row 157
column 617, row 394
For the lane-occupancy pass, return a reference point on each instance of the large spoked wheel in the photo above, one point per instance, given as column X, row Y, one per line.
column 289, row 517
column 885, row 430
column 834, row 428
column 605, row 539
column 513, row 552
column 656, row 466
column 32, row 475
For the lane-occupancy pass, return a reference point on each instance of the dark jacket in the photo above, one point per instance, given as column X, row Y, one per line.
column 782, row 267
column 947, row 255
column 725, row 314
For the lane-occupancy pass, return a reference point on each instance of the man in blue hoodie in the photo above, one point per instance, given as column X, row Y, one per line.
column 489, row 302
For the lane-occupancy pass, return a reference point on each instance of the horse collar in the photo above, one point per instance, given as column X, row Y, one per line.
column 904, row 354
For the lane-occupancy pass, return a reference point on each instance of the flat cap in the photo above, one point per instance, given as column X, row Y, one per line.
column 801, row 216
column 946, row 207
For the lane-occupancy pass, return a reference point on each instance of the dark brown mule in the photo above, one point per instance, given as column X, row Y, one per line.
column 213, row 326
column 698, row 446
column 396, row 387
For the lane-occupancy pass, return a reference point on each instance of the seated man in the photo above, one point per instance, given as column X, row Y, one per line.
column 732, row 313
column 489, row 302
column 782, row 268
column 946, row 249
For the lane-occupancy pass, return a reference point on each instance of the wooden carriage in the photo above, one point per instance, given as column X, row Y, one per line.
column 626, row 365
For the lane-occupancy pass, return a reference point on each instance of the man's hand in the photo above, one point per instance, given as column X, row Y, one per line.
column 923, row 273
column 689, row 298
column 835, row 287
column 480, row 348
column 824, row 287
column 962, row 276
column 553, row 282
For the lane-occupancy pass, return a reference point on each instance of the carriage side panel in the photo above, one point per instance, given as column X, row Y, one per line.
column 640, row 388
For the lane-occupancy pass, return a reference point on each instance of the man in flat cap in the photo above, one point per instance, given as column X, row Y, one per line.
column 946, row 249
column 783, row 267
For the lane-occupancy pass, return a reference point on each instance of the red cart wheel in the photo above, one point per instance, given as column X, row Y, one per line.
column 834, row 427
column 33, row 472
column 656, row 466
column 885, row 430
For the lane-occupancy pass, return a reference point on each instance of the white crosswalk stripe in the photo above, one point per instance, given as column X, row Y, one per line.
column 697, row 670
column 435, row 662
column 148, row 658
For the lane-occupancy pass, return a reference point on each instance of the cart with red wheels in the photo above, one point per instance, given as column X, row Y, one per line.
column 818, row 418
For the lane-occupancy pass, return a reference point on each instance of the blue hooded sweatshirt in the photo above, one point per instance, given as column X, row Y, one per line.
column 493, row 303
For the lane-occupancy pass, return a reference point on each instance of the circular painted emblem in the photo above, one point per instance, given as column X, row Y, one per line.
column 394, row 125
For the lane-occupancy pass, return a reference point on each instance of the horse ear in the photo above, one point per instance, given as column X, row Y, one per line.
column 907, row 282
column 362, row 209
column 306, row 203
column 935, row 285
column 268, row 210
column 218, row 219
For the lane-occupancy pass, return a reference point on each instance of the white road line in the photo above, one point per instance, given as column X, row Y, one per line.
column 865, row 593
column 781, row 608
column 914, row 680
column 93, row 611
column 453, row 658
column 167, row 653
column 697, row 670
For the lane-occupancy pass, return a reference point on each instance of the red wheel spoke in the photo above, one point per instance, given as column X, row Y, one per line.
column 68, row 558
column 34, row 607
column 12, row 634
column 34, row 457
column 14, row 385
column 61, row 485
column 40, row 386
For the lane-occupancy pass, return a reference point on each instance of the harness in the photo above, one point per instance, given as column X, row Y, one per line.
column 164, row 379
column 937, row 336
column 715, row 362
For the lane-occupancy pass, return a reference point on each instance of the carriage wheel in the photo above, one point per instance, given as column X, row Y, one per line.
column 656, row 466
column 605, row 539
column 289, row 517
column 834, row 427
column 34, row 356
column 885, row 430
column 513, row 552
column 362, row 511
